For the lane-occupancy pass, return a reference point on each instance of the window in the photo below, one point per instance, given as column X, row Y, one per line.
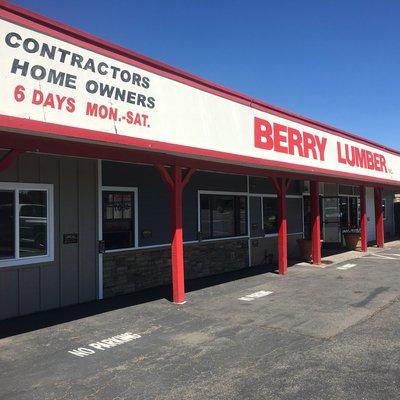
column 349, row 212
column 354, row 217
column 270, row 212
column 25, row 223
column 384, row 208
column 295, row 214
column 119, row 218
column 223, row 215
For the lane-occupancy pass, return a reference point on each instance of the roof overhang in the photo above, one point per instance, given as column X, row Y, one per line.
column 67, row 85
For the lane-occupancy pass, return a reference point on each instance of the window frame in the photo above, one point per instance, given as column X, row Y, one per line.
column 288, row 196
column 221, row 193
column 135, row 192
column 16, row 187
column 247, row 195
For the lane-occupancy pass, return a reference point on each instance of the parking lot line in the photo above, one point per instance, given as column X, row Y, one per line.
column 255, row 295
column 383, row 256
column 346, row 266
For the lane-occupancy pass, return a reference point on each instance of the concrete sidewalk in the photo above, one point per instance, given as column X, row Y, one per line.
column 346, row 255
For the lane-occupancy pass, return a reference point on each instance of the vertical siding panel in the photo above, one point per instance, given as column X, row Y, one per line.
column 9, row 302
column 29, row 168
column 29, row 292
column 69, row 275
column 87, row 230
column 50, row 272
column 29, row 277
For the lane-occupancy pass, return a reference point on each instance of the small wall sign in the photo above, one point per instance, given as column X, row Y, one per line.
column 70, row 238
column 147, row 233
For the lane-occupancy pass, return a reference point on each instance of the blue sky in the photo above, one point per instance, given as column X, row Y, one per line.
column 334, row 61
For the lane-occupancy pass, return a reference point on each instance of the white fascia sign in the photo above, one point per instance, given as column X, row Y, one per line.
column 56, row 79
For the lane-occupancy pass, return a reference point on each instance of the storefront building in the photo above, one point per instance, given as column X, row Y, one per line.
column 120, row 173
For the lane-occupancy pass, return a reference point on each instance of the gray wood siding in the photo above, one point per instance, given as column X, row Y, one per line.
column 72, row 277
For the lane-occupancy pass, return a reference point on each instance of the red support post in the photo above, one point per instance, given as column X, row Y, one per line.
column 363, row 220
column 379, row 227
column 177, row 259
column 315, row 223
column 176, row 184
column 281, row 185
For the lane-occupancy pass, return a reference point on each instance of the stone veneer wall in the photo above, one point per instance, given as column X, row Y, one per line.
column 264, row 248
column 129, row 271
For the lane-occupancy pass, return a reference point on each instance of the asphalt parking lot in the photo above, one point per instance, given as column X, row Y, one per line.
column 317, row 333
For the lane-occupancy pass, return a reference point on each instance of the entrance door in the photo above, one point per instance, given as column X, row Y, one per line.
column 331, row 219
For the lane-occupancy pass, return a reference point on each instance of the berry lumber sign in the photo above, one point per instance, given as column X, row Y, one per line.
column 51, row 81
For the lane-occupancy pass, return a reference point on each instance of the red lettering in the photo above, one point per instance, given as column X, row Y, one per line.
column 295, row 140
column 263, row 134
column 309, row 145
column 321, row 144
column 360, row 160
column 383, row 163
column 350, row 157
column 60, row 101
column 19, row 94
column 370, row 160
column 49, row 102
column 129, row 117
column 138, row 121
column 339, row 152
column 377, row 162
column 279, row 138
column 37, row 97
column 70, row 104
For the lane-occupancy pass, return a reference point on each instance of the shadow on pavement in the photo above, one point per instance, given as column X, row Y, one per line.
column 40, row 320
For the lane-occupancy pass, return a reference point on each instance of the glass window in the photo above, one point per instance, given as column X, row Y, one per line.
column 344, row 212
column 7, row 224
column 307, row 217
column 223, row 216
column 24, row 223
column 270, row 211
column 118, row 220
column 32, row 223
column 354, row 206
column 346, row 189
column 384, row 208
column 294, row 215
column 349, row 212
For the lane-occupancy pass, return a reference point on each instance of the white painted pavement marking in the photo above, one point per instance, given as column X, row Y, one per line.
column 346, row 266
column 382, row 256
column 104, row 344
column 256, row 295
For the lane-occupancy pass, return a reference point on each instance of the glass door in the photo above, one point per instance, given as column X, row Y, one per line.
column 331, row 219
